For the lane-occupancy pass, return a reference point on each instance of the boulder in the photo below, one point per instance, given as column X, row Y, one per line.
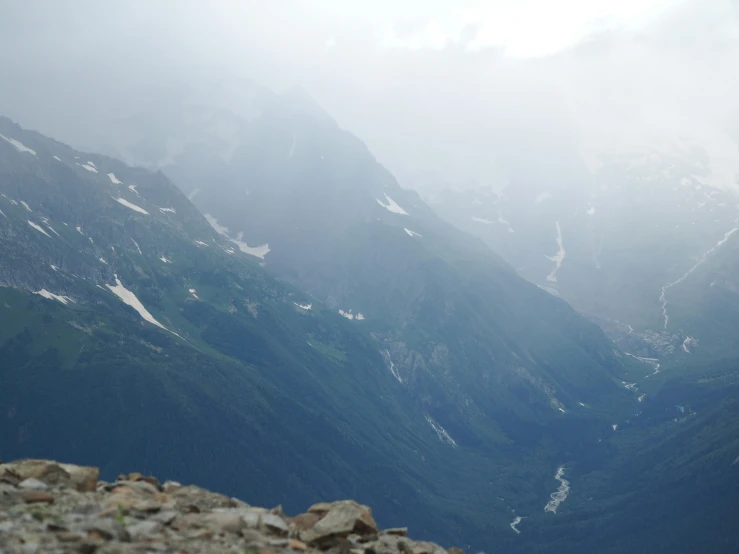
column 342, row 519
column 82, row 478
column 225, row 522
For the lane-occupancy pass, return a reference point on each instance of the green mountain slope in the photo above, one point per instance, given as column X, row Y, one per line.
column 449, row 405
column 429, row 407
column 132, row 330
column 670, row 484
column 241, row 387
column 330, row 219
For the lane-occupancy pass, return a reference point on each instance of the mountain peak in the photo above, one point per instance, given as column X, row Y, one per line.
column 297, row 99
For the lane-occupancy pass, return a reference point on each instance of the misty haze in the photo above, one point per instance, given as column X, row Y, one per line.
column 414, row 277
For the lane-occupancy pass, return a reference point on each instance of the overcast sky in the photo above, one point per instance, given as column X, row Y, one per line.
column 459, row 91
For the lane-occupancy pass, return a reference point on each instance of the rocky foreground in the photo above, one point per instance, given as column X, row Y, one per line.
column 47, row 506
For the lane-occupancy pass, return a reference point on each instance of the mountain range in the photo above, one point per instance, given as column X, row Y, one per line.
column 255, row 303
column 630, row 247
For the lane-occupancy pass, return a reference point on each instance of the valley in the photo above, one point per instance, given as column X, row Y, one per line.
column 138, row 310
column 283, row 321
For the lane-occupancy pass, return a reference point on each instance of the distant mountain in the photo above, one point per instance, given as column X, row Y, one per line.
column 446, row 312
column 623, row 248
column 497, row 365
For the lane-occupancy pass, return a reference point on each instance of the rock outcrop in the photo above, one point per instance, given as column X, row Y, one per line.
column 46, row 506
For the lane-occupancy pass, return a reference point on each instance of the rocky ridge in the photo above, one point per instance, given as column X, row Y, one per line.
column 46, row 506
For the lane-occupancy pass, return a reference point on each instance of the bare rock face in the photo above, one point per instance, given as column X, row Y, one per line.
column 46, row 506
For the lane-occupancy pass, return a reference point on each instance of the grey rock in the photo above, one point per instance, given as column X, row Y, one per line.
column 264, row 521
column 226, row 522
column 171, row 486
column 144, row 529
column 164, row 517
column 108, row 529
column 83, row 478
column 142, row 486
column 275, row 524
column 6, row 526
column 33, row 484
column 253, row 537
column 343, row 518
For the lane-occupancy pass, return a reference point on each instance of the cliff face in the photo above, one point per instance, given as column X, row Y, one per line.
column 46, row 506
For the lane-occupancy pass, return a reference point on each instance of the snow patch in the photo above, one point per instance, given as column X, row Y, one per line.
column 55, row 268
column 167, row 210
column 57, row 158
column 89, row 167
column 560, row 495
column 558, row 258
column 193, row 292
column 220, row 229
column 515, row 522
column 482, row 220
column 641, row 397
column 200, row 243
column 412, row 233
column 350, row 315
column 132, row 188
column 102, row 261
column 130, row 299
column 18, row 145
column 128, row 204
column 26, row 206
column 38, row 228
column 165, row 260
column 391, row 206
column 441, row 432
column 114, row 179
column 614, row 426
column 137, row 247
column 79, row 230
column 303, row 306
column 258, row 251
column 51, row 296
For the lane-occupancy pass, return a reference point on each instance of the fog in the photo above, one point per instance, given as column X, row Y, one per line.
column 445, row 93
